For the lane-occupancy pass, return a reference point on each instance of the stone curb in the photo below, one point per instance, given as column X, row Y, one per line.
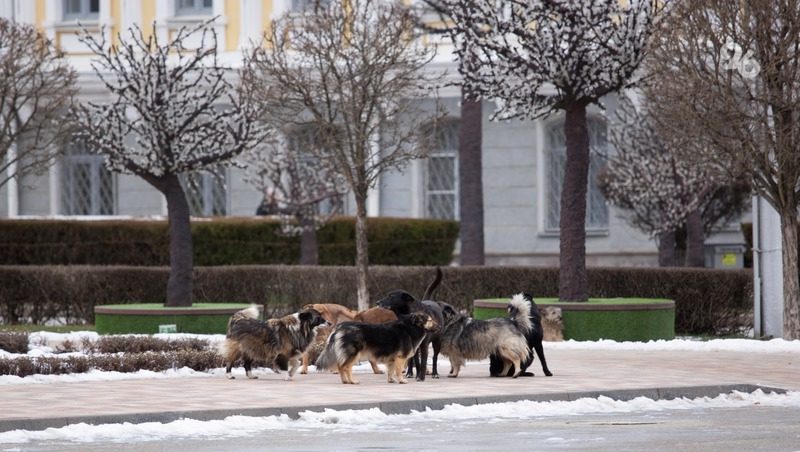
column 394, row 407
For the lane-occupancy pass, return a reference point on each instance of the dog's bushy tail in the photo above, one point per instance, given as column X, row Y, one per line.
column 328, row 359
column 521, row 312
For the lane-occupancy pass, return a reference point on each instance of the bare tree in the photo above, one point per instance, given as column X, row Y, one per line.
column 537, row 57
column 470, row 180
column 37, row 86
column 355, row 72
column 172, row 112
column 303, row 190
column 741, row 63
column 662, row 190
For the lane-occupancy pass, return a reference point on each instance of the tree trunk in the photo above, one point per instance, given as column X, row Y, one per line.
column 309, row 251
column 695, row 239
column 362, row 256
column 572, row 280
column 470, row 179
column 179, row 286
column 666, row 249
column 791, row 279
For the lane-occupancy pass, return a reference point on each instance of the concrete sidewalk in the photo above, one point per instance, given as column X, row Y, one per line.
column 577, row 373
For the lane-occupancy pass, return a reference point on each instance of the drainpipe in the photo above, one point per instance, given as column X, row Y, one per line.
column 758, row 322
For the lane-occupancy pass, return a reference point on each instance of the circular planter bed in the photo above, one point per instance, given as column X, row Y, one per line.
column 150, row 318
column 619, row 319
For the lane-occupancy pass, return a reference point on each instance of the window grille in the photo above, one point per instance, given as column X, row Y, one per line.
column 596, row 209
column 194, row 7
column 303, row 6
column 81, row 9
column 207, row 197
column 87, row 187
column 442, row 175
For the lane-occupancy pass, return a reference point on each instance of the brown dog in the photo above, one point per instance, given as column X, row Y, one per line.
column 317, row 347
column 332, row 312
column 375, row 315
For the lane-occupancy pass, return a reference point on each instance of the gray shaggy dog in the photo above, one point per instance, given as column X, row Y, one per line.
column 465, row 338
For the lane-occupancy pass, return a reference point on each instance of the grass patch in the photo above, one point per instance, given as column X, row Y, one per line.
column 32, row 328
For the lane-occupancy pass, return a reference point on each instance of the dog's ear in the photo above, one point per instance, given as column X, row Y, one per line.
column 308, row 315
column 527, row 296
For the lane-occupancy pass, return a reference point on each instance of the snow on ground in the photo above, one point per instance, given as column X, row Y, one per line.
column 48, row 344
column 375, row 420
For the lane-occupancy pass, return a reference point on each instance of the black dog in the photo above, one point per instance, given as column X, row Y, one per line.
column 534, row 337
column 403, row 303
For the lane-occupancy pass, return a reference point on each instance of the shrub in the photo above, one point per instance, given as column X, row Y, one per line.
column 14, row 342
column 707, row 301
column 129, row 362
column 221, row 241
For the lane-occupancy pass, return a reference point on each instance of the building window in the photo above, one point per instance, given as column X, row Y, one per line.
column 87, row 187
column 441, row 194
column 322, row 182
column 194, row 7
column 596, row 210
column 303, row 6
column 81, row 9
column 206, row 194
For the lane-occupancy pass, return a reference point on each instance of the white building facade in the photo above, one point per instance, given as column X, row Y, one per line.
column 522, row 160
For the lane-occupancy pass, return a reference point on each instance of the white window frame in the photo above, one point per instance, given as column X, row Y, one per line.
column 196, row 10
column 206, row 198
column 544, row 177
column 84, row 14
column 67, row 204
column 443, row 153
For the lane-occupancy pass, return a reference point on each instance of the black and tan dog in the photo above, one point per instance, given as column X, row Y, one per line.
column 403, row 303
column 465, row 338
column 534, row 334
column 251, row 339
column 391, row 343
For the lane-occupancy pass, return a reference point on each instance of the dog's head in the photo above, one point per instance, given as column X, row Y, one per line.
column 552, row 314
column 311, row 318
column 421, row 320
column 398, row 301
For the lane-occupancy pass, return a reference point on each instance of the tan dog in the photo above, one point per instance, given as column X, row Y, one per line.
column 375, row 315
column 332, row 312
column 552, row 323
column 317, row 346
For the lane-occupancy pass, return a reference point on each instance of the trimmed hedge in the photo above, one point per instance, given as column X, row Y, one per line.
column 707, row 301
column 221, row 241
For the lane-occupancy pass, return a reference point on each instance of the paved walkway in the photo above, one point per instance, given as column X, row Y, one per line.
column 618, row 374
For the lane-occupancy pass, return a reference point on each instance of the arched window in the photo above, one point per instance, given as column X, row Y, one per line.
column 596, row 209
column 87, row 187
column 441, row 184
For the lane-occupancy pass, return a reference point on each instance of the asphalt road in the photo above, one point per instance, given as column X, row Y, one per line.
column 722, row 429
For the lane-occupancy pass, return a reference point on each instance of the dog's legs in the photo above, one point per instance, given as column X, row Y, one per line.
column 375, row 369
column 304, row 370
column 540, row 352
column 412, row 363
column 517, row 365
column 294, row 363
column 248, row 365
column 346, row 370
column 422, row 363
column 391, row 370
column 228, row 373
column 399, row 363
column 437, row 346
column 455, row 367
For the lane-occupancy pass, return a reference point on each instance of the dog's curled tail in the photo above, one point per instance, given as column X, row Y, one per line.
column 521, row 312
column 328, row 358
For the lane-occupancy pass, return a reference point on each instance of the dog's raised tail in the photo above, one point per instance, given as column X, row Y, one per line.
column 520, row 311
column 428, row 295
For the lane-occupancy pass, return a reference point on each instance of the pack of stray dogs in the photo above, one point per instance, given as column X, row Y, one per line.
column 399, row 333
